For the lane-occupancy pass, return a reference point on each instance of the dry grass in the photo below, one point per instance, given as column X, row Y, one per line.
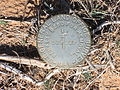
column 19, row 22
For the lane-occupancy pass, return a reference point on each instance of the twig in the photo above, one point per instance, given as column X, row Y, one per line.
column 39, row 63
column 76, row 74
column 105, row 24
column 86, row 88
column 24, row 12
column 91, row 65
column 56, row 83
column 8, row 20
column 9, row 68
column 106, row 67
column 110, row 59
column 97, row 66
column 48, row 77
column 17, row 72
column 76, row 79
column 1, row 72
column 93, row 51
column 22, row 60
column 85, row 8
column 26, row 77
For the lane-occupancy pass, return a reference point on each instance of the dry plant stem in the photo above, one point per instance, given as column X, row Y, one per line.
column 76, row 74
column 39, row 63
column 97, row 77
column 25, row 9
column 22, row 60
column 1, row 72
column 9, row 68
column 26, row 77
column 105, row 24
column 48, row 77
column 85, row 8
column 76, row 79
column 6, row 20
column 17, row 72
column 56, row 83
column 110, row 59
column 106, row 67
column 91, row 65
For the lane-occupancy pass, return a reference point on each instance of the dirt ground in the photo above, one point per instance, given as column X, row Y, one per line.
column 18, row 30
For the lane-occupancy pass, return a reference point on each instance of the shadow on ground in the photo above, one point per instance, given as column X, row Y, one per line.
column 25, row 51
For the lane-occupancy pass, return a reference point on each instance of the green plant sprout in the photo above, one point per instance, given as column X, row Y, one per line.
column 99, row 14
column 3, row 22
column 87, row 76
column 118, row 43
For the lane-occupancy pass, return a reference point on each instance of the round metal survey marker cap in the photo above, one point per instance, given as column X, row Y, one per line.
column 63, row 41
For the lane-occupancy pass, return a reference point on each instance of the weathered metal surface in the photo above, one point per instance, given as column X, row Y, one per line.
column 63, row 41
